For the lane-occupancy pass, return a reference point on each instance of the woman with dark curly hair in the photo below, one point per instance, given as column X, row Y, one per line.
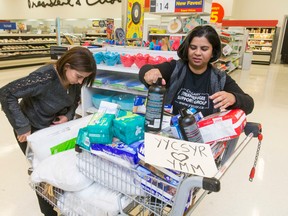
column 192, row 81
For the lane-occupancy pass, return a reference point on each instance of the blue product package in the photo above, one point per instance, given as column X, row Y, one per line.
column 139, row 105
column 125, row 101
column 136, row 85
column 120, row 149
column 103, row 79
column 97, row 98
column 98, row 56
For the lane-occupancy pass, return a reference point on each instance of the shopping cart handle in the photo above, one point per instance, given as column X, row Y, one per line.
column 252, row 127
column 211, row 184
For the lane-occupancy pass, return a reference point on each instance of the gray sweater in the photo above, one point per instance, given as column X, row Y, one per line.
column 43, row 97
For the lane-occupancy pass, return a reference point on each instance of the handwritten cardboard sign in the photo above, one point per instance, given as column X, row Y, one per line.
column 188, row 157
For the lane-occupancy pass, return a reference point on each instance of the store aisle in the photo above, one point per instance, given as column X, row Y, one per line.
column 265, row 196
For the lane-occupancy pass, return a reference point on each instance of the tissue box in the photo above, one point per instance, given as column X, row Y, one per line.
column 100, row 128
column 222, row 126
column 129, row 128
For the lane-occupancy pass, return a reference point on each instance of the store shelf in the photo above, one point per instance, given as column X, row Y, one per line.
column 127, row 73
column 25, row 49
column 24, row 61
column 260, row 42
column 233, row 42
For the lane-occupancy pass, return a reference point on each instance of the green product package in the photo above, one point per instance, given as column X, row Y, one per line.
column 100, row 130
column 64, row 146
column 129, row 129
column 82, row 138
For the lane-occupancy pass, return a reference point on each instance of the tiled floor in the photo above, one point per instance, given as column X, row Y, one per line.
column 265, row 196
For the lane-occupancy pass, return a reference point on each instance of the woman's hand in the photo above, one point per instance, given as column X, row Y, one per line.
column 152, row 75
column 223, row 100
column 23, row 137
column 60, row 119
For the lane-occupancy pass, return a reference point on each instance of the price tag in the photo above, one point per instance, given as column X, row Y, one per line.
column 165, row 6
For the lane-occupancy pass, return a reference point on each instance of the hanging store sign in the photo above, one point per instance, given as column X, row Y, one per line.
column 189, row 6
column 135, row 18
column 217, row 13
column 71, row 3
column 172, row 6
column 7, row 25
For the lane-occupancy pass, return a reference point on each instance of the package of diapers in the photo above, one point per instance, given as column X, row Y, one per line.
column 120, row 150
column 129, row 128
column 100, row 128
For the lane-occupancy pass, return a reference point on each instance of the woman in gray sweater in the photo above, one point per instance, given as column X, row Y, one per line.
column 49, row 96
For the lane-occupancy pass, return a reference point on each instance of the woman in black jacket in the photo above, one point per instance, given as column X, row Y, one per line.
column 49, row 96
column 192, row 81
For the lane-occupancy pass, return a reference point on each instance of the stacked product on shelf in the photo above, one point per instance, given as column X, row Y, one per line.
column 122, row 77
column 233, row 41
column 260, row 42
column 261, row 37
column 174, row 32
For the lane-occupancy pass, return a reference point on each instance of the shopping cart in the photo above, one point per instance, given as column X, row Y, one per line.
column 147, row 195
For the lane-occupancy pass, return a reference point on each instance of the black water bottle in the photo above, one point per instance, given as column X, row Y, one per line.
column 155, row 106
column 188, row 127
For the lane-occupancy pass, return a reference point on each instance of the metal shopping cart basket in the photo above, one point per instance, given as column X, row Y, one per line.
column 148, row 195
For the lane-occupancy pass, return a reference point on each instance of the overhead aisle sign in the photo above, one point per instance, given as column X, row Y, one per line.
column 176, row 6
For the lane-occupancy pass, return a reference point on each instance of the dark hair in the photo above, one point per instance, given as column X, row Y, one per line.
column 80, row 59
column 206, row 31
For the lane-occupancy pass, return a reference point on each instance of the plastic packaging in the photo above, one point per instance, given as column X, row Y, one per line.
column 188, row 127
column 155, row 106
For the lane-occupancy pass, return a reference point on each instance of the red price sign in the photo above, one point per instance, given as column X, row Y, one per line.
column 217, row 13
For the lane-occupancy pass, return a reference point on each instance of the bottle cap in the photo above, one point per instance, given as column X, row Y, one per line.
column 159, row 81
column 183, row 112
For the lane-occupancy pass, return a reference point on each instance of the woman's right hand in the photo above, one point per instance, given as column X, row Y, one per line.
column 23, row 137
column 152, row 75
